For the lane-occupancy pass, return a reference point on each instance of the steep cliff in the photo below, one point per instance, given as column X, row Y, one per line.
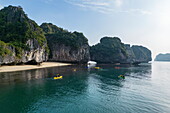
column 142, row 54
column 66, row 46
column 21, row 39
column 112, row 50
column 163, row 57
column 130, row 54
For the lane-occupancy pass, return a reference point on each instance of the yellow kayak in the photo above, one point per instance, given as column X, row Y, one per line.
column 122, row 76
column 60, row 77
column 97, row 67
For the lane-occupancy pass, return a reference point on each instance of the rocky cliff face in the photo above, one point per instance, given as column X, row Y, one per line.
column 130, row 54
column 142, row 54
column 112, row 50
column 63, row 53
column 21, row 39
column 35, row 54
column 66, row 46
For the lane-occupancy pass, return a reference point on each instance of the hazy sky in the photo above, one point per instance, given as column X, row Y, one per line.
column 139, row 22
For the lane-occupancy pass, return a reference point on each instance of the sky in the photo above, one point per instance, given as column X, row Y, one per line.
column 135, row 22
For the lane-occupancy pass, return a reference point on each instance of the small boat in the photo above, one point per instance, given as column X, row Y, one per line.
column 97, row 68
column 58, row 77
column 121, row 76
column 74, row 70
column 91, row 64
column 117, row 67
column 117, row 63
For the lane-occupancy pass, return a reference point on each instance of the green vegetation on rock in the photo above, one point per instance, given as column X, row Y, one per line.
column 4, row 49
column 61, row 36
column 16, row 29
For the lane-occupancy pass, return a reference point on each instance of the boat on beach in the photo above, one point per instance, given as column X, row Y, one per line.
column 91, row 64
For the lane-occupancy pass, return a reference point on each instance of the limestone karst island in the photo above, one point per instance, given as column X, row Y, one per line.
column 23, row 41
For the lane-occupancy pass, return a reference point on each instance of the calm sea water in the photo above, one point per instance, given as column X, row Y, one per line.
column 146, row 89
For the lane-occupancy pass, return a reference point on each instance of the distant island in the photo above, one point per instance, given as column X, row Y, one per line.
column 23, row 41
column 163, row 57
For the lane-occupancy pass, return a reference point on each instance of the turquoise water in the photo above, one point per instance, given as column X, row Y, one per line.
column 146, row 89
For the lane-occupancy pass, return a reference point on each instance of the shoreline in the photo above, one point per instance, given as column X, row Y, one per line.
column 30, row 67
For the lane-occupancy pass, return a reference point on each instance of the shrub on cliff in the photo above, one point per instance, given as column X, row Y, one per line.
column 4, row 49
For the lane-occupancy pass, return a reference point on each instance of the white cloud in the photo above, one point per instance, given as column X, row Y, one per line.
column 96, row 3
column 118, row 3
column 106, row 6
column 137, row 11
column 100, row 6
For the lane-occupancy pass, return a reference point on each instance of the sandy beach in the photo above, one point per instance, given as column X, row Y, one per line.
column 29, row 67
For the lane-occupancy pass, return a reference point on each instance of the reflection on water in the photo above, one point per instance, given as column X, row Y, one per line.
column 84, row 90
column 21, row 76
column 13, row 77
